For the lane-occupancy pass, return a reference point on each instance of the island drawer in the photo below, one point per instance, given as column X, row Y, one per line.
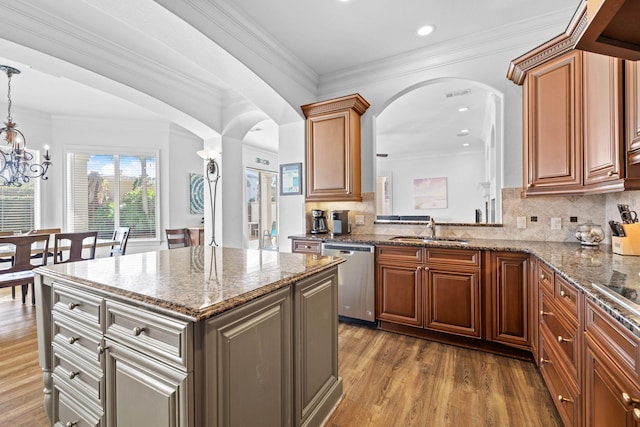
column 82, row 379
column 76, row 339
column 159, row 336
column 68, row 411
column 83, row 307
column 306, row 246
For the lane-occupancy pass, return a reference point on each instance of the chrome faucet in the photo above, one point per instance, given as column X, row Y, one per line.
column 431, row 225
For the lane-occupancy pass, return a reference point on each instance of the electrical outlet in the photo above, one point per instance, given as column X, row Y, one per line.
column 556, row 223
column 359, row 219
column 521, row 221
column 534, row 219
column 573, row 219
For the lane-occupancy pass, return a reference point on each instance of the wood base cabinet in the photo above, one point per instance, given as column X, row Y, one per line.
column 435, row 289
column 612, row 371
column 510, row 299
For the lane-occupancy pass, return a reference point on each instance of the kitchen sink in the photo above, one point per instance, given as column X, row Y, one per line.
column 419, row 239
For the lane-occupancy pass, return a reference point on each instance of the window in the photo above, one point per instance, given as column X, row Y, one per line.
column 20, row 206
column 106, row 191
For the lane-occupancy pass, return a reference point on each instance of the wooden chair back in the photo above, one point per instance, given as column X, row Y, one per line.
column 71, row 245
column 29, row 252
column 177, row 237
column 121, row 234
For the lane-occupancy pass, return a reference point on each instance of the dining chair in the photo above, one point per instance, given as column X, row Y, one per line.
column 73, row 244
column 177, row 238
column 121, row 234
column 20, row 272
column 50, row 232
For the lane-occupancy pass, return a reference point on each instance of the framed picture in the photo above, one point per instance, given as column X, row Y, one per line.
column 196, row 193
column 290, row 179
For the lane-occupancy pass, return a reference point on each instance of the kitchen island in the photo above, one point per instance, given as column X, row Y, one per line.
column 192, row 336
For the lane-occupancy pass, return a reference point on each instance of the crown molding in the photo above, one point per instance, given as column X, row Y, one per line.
column 505, row 38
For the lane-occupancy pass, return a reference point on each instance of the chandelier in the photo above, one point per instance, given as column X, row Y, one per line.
column 16, row 163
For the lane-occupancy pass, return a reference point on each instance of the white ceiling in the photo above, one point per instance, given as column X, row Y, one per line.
column 328, row 36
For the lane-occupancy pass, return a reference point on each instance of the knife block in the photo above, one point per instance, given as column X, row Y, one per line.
column 630, row 244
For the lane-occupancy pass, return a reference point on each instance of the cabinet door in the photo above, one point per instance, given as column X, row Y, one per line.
column 610, row 398
column 143, row 391
column 632, row 108
column 602, row 115
column 315, row 345
column 333, row 156
column 553, row 126
column 249, row 369
column 399, row 293
column 511, row 299
column 452, row 301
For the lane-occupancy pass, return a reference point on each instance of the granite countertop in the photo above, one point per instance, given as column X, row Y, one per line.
column 195, row 282
column 580, row 265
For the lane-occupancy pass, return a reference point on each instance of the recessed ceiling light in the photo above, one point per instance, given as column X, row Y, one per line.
column 466, row 144
column 463, row 132
column 463, row 109
column 426, row 30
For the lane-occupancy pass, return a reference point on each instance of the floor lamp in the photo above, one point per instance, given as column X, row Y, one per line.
column 213, row 175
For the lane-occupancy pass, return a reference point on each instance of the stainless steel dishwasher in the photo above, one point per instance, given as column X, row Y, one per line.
column 356, row 279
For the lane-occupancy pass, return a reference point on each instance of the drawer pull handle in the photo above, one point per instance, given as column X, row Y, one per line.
column 73, row 374
column 561, row 339
column 71, row 424
column 628, row 400
column 72, row 340
column 138, row 330
column 563, row 294
column 73, row 305
column 543, row 360
column 546, row 313
column 561, row 398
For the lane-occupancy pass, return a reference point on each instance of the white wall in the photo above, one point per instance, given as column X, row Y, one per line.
column 464, row 195
column 292, row 208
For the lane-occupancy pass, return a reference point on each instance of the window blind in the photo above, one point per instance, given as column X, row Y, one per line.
column 106, row 191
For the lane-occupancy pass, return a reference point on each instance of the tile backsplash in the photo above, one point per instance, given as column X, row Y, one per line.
column 598, row 208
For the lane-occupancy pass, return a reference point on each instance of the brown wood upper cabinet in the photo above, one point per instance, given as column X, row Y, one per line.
column 611, row 28
column 333, row 164
column 632, row 113
column 574, row 118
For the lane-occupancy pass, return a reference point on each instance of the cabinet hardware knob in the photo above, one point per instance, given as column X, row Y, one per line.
column 611, row 173
column 138, row 330
column 102, row 349
column 543, row 360
column 73, row 374
column 636, row 414
column 561, row 398
column 546, row 313
column 71, row 423
column 561, row 339
column 542, row 276
column 73, row 305
column 72, row 340
column 563, row 294
column 628, row 400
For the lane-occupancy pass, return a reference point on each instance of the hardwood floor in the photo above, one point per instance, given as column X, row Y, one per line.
column 389, row 380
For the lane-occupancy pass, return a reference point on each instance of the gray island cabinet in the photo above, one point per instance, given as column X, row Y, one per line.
column 198, row 336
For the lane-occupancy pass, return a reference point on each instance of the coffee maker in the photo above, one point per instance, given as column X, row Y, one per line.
column 319, row 222
column 340, row 221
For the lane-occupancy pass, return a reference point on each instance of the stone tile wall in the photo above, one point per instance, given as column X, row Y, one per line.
column 598, row 209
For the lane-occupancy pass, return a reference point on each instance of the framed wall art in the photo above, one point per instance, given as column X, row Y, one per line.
column 290, row 179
